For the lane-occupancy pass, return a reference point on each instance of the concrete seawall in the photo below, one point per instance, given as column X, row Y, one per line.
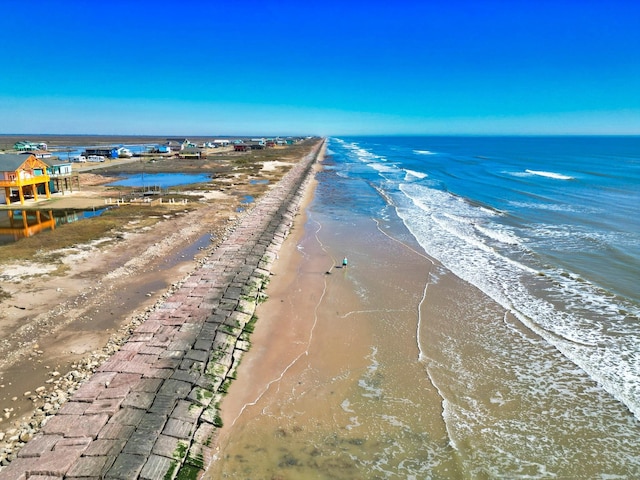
column 151, row 410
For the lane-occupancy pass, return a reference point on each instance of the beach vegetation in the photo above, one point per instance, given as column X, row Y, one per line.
column 203, row 395
column 197, row 460
column 171, row 470
column 181, row 451
column 188, row 472
column 217, row 369
column 224, row 388
column 217, row 354
column 251, row 324
column 232, row 331
column 217, row 421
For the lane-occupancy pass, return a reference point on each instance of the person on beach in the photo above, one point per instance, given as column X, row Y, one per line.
column 344, row 262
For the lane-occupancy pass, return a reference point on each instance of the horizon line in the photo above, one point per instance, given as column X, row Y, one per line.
column 329, row 135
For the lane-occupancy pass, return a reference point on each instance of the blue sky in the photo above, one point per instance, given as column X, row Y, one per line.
column 320, row 67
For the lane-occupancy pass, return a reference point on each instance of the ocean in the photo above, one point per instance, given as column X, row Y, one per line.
column 490, row 316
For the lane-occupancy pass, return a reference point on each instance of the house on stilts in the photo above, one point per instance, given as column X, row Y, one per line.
column 23, row 175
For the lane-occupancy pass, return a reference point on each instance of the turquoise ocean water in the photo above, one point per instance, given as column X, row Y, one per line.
column 549, row 228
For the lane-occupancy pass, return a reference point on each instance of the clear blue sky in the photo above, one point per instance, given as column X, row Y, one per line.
column 320, row 67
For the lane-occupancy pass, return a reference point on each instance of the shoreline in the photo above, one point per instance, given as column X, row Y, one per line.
column 316, row 346
column 283, row 275
column 263, row 200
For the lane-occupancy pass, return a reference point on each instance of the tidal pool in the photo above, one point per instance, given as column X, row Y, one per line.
column 162, row 180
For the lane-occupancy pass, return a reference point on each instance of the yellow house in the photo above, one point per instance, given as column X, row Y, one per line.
column 23, row 173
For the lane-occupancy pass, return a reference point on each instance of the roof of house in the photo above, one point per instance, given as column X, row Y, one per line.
column 10, row 162
column 54, row 162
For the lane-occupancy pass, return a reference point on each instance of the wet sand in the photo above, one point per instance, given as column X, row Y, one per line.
column 317, row 348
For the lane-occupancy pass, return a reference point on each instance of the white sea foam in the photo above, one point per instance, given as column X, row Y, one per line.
column 553, row 207
column 424, row 152
column 363, row 154
column 557, row 176
column 393, row 421
column 502, row 236
column 447, row 230
column 413, row 174
column 545, row 386
column 382, row 167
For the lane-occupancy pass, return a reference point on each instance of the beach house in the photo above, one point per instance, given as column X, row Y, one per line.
column 178, row 144
column 192, row 152
column 61, row 175
column 23, row 175
column 26, row 146
column 106, row 152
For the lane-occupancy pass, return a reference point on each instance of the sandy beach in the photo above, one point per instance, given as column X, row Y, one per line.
column 317, row 340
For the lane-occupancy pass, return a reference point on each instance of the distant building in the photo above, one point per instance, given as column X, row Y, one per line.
column 152, row 149
column 178, row 144
column 62, row 177
column 107, row 152
column 192, row 152
column 41, row 154
column 27, row 146
column 124, row 152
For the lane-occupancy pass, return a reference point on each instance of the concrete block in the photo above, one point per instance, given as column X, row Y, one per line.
column 88, row 467
column 38, row 445
column 126, row 467
column 104, row 447
column 127, row 416
column 170, row 447
column 187, row 411
column 109, row 406
column 158, row 467
column 142, row 400
column 178, row 428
